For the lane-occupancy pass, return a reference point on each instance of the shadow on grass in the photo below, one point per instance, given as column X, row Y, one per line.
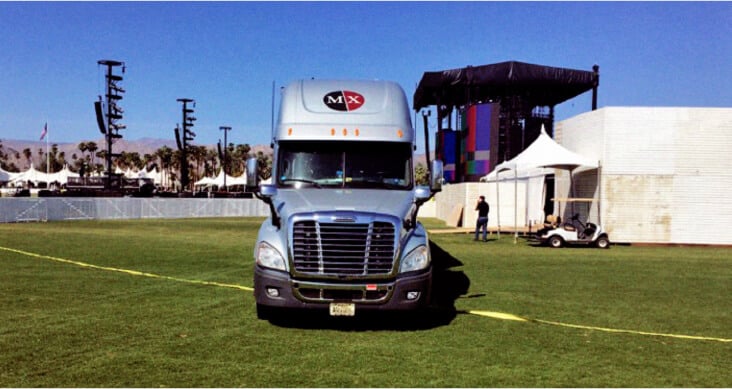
column 447, row 286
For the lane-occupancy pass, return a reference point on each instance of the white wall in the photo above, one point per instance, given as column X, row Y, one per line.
column 527, row 192
column 666, row 173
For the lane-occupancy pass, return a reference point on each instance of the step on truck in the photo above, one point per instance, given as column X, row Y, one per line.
column 342, row 236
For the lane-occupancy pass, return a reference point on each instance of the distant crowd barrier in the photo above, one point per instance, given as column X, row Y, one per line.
column 27, row 209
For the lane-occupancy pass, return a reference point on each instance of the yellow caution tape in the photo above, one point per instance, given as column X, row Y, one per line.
column 507, row 316
column 491, row 314
column 498, row 315
column 126, row 271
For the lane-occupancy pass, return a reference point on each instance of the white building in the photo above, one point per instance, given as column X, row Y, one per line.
column 665, row 177
column 666, row 173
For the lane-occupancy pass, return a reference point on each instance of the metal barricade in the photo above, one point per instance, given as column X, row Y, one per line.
column 72, row 208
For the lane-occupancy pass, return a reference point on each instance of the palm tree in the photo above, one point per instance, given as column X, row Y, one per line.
column 420, row 174
column 28, row 154
column 60, row 161
column 212, row 157
column 3, row 156
column 129, row 160
column 146, row 159
column 85, row 159
column 99, row 167
column 264, row 165
column 53, row 158
column 165, row 156
column 241, row 152
column 134, row 160
column 83, row 147
column 92, row 147
column 198, row 153
column 174, row 167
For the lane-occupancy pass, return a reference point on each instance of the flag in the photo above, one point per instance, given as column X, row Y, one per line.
column 45, row 131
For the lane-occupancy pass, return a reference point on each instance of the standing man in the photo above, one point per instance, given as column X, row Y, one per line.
column 482, row 208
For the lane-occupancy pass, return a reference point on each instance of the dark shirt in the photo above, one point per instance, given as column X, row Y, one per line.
column 482, row 209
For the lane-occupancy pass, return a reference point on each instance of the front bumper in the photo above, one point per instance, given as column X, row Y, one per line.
column 371, row 295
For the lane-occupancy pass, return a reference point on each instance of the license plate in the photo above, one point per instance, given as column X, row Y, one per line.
column 342, row 309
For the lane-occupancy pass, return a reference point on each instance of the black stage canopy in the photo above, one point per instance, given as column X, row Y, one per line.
column 540, row 85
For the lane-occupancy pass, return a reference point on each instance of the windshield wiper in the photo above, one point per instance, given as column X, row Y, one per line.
column 311, row 182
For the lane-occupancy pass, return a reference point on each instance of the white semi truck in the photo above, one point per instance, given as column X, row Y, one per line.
column 343, row 234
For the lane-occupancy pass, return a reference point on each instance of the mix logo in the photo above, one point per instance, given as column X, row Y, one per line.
column 345, row 101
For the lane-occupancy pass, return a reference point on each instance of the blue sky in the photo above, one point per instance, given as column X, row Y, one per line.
column 226, row 55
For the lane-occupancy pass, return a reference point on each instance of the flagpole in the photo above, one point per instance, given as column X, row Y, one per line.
column 48, row 156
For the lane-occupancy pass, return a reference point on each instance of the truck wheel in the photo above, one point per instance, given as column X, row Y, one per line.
column 556, row 241
column 602, row 242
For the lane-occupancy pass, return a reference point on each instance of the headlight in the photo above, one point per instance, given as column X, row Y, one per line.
column 417, row 259
column 268, row 256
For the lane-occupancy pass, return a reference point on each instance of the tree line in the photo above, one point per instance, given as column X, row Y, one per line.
column 202, row 161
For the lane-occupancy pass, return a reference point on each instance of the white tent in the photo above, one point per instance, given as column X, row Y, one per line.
column 159, row 178
column 205, row 181
column 129, row 173
column 30, row 175
column 6, row 176
column 544, row 153
column 62, row 176
column 241, row 180
column 219, row 180
column 155, row 175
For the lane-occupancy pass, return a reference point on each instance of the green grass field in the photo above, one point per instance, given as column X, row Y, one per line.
column 67, row 325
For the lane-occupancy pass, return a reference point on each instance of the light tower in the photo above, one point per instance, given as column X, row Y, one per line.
column 225, row 129
column 111, row 126
column 183, row 140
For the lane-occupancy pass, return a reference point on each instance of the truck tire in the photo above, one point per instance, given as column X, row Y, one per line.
column 556, row 241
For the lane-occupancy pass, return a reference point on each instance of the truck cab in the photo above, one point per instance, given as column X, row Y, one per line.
column 343, row 235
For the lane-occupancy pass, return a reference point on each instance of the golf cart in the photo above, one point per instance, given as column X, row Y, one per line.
column 574, row 232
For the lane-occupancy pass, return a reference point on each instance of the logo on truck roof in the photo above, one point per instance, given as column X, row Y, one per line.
column 344, row 101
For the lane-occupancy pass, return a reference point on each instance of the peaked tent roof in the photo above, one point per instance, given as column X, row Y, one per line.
column 6, row 176
column 62, row 176
column 31, row 175
column 205, row 181
column 219, row 180
column 543, row 85
column 544, row 152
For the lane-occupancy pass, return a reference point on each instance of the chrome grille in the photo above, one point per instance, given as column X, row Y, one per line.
column 343, row 248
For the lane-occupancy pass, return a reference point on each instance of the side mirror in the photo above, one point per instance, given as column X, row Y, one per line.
column 268, row 191
column 252, row 176
column 265, row 192
column 422, row 193
column 436, row 176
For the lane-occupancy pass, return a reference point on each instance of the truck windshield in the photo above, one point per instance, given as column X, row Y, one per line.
column 383, row 165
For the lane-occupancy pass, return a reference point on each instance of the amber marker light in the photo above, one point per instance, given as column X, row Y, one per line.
column 400, row 133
